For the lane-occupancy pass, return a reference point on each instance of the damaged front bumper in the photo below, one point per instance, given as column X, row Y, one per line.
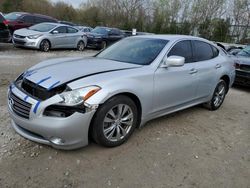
column 66, row 132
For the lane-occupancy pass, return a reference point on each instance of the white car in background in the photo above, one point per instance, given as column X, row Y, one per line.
column 46, row 36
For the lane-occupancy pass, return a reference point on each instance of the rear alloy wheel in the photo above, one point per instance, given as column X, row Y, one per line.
column 80, row 46
column 104, row 45
column 115, row 121
column 218, row 96
column 45, row 45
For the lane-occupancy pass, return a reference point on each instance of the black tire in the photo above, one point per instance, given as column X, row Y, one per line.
column 81, row 46
column 45, row 45
column 104, row 45
column 218, row 96
column 98, row 124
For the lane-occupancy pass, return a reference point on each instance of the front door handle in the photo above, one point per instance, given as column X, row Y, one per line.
column 193, row 71
column 218, row 66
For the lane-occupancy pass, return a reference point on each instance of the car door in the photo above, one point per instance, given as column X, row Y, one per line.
column 208, row 66
column 59, row 37
column 114, row 35
column 176, row 86
column 72, row 37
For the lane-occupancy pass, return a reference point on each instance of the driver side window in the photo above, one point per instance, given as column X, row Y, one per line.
column 183, row 49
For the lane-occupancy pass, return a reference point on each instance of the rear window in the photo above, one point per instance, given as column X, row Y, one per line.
column 41, row 20
column 72, row 30
column 202, row 51
column 12, row 16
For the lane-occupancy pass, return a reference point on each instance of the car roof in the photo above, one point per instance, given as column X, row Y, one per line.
column 34, row 14
column 58, row 24
column 171, row 37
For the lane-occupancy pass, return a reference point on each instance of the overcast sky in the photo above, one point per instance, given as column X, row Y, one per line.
column 75, row 3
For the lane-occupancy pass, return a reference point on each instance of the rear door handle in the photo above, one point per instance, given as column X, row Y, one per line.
column 193, row 71
column 218, row 66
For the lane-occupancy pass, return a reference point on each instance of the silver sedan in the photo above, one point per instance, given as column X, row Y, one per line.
column 107, row 96
column 46, row 36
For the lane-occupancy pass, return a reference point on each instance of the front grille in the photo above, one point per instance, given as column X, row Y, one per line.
column 19, row 36
column 39, row 92
column 19, row 106
column 19, row 42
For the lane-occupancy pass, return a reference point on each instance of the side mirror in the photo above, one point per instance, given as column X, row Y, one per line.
column 55, row 32
column 173, row 61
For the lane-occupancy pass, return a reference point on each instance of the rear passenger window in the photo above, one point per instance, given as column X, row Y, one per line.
column 72, row 30
column 28, row 19
column 202, row 51
column 183, row 49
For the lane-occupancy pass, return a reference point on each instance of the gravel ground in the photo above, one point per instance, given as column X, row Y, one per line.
column 191, row 148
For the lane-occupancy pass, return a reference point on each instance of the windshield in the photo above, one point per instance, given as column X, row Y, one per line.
column 245, row 52
column 12, row 16
column 142, row 51
column 100, row 30
column 44, row 27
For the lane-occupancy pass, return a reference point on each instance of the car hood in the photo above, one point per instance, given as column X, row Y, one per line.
column 52, row 73
column 242, row 60
column 93, row 35
column 26, row 32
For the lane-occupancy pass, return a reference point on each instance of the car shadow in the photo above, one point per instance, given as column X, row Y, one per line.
column 242, row 88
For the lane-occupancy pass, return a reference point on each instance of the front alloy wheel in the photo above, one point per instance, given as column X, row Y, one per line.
column 118, row 122
column 45, row 46
column 114, row 121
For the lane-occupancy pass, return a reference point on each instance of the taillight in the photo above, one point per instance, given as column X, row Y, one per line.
column 6, row 22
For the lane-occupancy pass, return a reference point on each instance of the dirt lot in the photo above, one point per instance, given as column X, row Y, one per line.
column 192, row 148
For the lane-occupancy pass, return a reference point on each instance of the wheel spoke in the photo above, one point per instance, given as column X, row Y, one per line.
column 108, row 120
column 222, row 91
column 107, row 130
column 118, row 133
column 111, row 134
column 127, row 118
column 125, row 110
column 120, row 110
column 112, row 114
column 123, row 131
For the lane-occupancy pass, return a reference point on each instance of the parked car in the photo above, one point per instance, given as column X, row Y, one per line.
column 130, row 33
column 242, row 60
column 85, row 29
column 234, row 51
column 19, row 20
column 4, row 30
column 46, row 36
column 101, row 37
column 124, row 86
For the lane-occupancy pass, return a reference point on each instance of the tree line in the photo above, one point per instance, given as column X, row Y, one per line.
column 218, row 20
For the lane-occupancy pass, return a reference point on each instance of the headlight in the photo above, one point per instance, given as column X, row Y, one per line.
column 34, row 36
column 78, row 96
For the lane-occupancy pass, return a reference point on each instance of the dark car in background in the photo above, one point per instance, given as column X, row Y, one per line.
column 4, row 30
column 101, row 37
column 242, row 64
column 19, row 20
